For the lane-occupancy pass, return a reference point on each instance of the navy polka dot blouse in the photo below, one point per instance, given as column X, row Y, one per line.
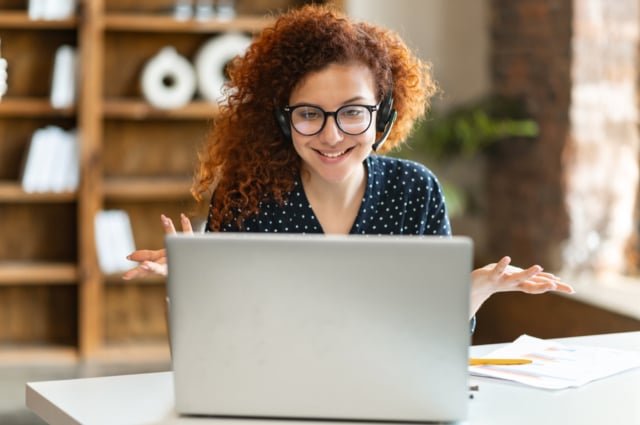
column 401, row 198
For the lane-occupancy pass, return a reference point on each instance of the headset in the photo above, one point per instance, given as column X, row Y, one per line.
column 385, row 118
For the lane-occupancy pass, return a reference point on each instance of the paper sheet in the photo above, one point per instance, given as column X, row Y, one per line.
column 557, row 366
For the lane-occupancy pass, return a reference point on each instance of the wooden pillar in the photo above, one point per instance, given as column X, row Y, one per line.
column 90, row 297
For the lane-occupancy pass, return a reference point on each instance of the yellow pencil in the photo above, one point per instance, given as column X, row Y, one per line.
column 487, row 361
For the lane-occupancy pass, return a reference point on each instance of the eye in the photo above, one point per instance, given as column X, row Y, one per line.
column 308, row 113
column 352, row 112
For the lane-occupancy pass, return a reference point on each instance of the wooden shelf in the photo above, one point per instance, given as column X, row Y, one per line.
column 138, row 109
column 37, row 273
column 147, row 189
column 11, row 191
column 133, row 156
column 31, row 107
column 20, row 19
column 167, row 23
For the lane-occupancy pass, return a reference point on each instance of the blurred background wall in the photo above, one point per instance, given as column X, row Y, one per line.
column 564, row 196
column 452, row 34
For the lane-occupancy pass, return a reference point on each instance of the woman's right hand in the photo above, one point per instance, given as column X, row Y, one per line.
column 154, row 262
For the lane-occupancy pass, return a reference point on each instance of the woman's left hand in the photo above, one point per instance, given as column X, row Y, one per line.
column 502, row 277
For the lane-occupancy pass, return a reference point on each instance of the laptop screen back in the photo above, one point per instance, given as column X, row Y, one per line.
column 326, row 327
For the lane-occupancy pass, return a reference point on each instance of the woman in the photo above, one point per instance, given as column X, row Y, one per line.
column 311, row 105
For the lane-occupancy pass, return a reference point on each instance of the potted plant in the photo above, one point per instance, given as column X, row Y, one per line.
column 453, row 144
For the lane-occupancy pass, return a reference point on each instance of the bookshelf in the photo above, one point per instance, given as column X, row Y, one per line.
column 54, row 300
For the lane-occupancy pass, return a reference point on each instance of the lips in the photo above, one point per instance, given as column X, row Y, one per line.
column 333, row 154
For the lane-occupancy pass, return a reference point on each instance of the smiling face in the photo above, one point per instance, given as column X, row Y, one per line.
column 332, row 155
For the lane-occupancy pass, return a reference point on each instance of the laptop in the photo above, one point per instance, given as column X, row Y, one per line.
column 371, row 328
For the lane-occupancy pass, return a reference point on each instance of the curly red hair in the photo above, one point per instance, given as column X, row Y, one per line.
column 246, row 159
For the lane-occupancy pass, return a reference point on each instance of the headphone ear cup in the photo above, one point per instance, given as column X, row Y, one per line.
column 384, row 113
column 283, row 122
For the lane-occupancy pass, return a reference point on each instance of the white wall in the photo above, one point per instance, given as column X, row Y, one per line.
column 451, row 34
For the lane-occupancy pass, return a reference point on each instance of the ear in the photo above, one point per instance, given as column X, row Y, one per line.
column 392, row 119
column 385, row 111
column 282, row 118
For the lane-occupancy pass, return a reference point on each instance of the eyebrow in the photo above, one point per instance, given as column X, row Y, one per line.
column 353, row 99
column 346, row 102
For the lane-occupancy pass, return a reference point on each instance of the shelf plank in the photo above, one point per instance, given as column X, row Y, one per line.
column 143, row 352
column 31, row 107
column 20, row 19
column 116, row 279
column 138, row 109
column 167, row 23
column 16, row 354
column 37, row 273
column 11, row 191
column 154, row 354
column 147, row 189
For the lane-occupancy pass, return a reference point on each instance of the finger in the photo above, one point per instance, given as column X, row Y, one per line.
column 186, row 224
column 526, row 280
column 538, row 285
column 513, row 269
column 549, row 276
column 533, row 271
column 564, row 287
column 147, row 268
column 136, row 273
column 501, row 267
column 154, row 268
column 131, row 274
column 147, row 255
column 531, row 287
column 167, row 223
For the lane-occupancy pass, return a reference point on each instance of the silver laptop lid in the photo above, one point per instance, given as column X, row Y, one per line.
column 331, row 327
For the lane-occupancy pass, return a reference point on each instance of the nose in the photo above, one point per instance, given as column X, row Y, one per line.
column 331, row 133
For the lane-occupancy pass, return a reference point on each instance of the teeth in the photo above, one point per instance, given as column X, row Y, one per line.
column 332, row 155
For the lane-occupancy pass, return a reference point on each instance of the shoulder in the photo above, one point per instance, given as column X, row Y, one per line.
column 401, row 169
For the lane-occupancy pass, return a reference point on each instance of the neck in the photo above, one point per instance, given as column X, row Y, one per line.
column 335, row 194
column 335, row 204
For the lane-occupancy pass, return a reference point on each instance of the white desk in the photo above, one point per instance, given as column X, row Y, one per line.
column 148, row 398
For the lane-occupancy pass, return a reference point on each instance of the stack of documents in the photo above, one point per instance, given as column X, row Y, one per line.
column 556, row 366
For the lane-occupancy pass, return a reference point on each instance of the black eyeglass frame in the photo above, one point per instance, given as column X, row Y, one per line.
column 371, row 108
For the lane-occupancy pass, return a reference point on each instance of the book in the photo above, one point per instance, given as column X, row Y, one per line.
column 35, row 158
column 114, row 241
column 52, row 162
column 63, row 81
column 51, row 9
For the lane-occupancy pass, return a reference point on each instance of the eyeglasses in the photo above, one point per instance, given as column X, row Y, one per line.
column 309, row 120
